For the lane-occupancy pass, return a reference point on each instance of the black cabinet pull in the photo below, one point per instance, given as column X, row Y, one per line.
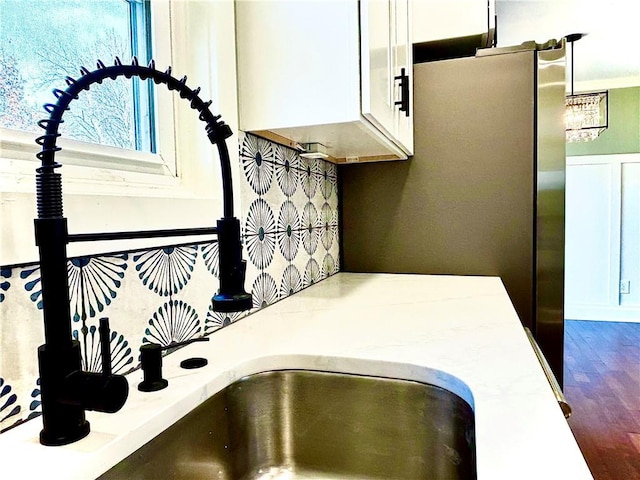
column 404, row 91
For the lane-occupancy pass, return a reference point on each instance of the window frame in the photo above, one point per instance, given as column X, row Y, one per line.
column 140, row 18
column 20, row 145
column 168, row 189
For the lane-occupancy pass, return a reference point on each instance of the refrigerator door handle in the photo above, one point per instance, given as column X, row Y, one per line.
column 553, row 383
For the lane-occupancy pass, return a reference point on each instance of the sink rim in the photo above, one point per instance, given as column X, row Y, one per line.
column 189, row 389
column 340, row 364
column 349, row 371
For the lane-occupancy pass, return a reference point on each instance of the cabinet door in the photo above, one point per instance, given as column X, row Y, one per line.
column 403, row 56
column 385, row 49
column 297, row 63
column 441, row 19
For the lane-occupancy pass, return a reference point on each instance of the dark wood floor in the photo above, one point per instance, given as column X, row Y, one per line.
column 602, row 385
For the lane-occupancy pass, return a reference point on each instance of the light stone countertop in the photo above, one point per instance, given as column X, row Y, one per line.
column 460, row 333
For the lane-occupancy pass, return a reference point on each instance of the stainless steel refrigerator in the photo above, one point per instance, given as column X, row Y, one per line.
column 484, row 192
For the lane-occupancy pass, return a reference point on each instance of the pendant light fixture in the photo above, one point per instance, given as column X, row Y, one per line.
column 586, row 114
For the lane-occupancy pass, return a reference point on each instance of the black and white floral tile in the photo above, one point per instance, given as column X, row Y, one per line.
column 291, row 227
column 289, row 216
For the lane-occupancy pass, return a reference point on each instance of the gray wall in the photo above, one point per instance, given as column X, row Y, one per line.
column 464, row 204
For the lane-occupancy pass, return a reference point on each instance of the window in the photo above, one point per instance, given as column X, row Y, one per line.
column 109, row 188
column 43, row 41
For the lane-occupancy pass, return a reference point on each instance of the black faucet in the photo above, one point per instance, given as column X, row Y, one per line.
column 66, row 390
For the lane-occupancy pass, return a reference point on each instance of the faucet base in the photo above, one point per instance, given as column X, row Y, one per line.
column 63, row 423
column 70, row 436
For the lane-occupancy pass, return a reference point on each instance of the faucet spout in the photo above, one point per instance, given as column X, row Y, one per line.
column 66, row 390
column 231, row 296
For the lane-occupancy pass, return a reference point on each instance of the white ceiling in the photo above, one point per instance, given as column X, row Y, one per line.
column 608, row 57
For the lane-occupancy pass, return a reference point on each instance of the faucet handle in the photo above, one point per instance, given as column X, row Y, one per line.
column 104, row 392
column 105, row 345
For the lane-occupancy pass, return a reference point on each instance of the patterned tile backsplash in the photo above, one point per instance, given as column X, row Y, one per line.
column 289, row 216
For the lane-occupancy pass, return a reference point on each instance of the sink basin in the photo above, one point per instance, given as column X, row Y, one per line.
column 301, row 424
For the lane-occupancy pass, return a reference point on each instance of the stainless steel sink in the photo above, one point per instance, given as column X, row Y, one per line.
column 301, row 424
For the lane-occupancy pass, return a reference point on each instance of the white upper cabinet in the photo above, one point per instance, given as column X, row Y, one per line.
column 441, row 19
column 324, row 72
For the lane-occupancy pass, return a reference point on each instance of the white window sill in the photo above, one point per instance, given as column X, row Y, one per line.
column 140, row 194
column 84, row 163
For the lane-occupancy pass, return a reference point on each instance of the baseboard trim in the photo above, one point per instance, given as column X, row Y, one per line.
column 602, row 312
